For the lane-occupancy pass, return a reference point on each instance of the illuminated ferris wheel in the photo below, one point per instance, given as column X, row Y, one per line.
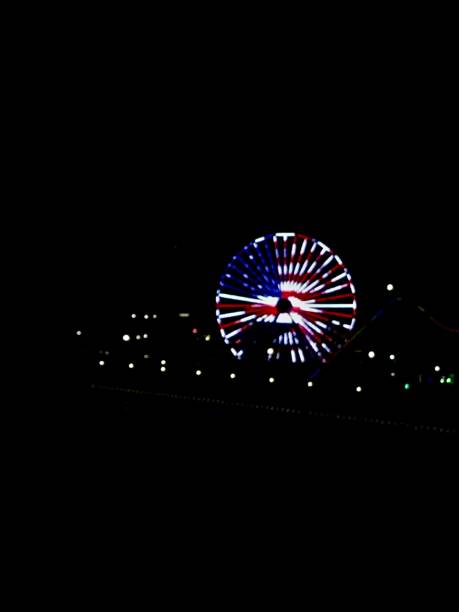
column 287, row 298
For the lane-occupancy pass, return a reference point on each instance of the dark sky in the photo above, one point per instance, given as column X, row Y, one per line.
column 166, row 178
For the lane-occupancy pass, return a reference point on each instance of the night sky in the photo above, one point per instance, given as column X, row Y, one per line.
column 165, row 173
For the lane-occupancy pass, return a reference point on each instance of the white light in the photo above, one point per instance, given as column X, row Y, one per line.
column 311, row 305
column 232, row 375
column 101, row 363
column 133, row 316
column 270, row 351
column 138, row 337
column 131, row 365
column 392, row 357
column 310, row 384
column 163, row 362
column 126, row 338
column 182, row 315
column 145, row 316
column 261, row 299
column 390, row 287
column 233, row 333
column 155, row 316
column 207, row 338
column 359, row 389
column 271, row 380
column 145, row 335
column 371, row 354
column 198, row 372
column 392, row 374
column 437, row 368
column 232, row 314
column 163, row 369
column 146, row 356
column 248, row 318
column 78, row 333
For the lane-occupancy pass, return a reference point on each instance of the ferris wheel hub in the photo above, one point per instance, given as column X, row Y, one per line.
column 284, row 305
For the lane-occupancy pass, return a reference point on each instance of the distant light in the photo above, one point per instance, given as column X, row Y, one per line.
column 146, row 356
column 163, row 362
column 390, row 287
column 371, row 354
column 138, row 337
column 198, row 372
column 392, row 374
column 107, row 352
column 392, row 357
column 145, row 316
column 78, row 333
column 131, row 365
column 270, row 351
column 359, row 389
column 126, row 337
column 163, row 369
column 184, row 315
column 145, row 336
column 271, row 380
column 207, row 338
column 442, row 380
column 449, row 380
column 155, row 316
column 310, row 384
column 194, row 330
column 407, row 386
column 437, row 368
column 101, row 363
column 133, row 316
column 232, row 375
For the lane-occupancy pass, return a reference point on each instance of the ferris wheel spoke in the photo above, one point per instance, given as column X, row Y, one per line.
column 314, row 329
column 278, row 262
column 292, row 260
column 266, row 266
column 228, row 315
column 248, row 274
column 343, row 315
column 261, row 271
column 259, row 300
column 316, row 276
column 321, row 299
column 260, row 314
column 300, row 255
column 331, row 289
column 242, row 285
column 313, row 275
column 272, row 265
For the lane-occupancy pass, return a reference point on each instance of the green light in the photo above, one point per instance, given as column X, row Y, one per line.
column 407, row 386
column 450, row 380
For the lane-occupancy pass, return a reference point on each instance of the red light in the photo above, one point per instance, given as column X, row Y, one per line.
column 194, row 330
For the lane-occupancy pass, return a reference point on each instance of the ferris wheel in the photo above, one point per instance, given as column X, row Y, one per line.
column 286, row 298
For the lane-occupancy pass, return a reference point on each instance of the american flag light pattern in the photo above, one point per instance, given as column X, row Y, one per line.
column 296, row 288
